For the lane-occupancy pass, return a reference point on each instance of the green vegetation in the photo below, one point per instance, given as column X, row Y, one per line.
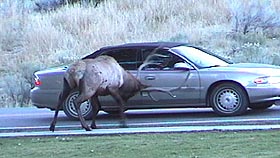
column 194, row 145
column 245, row 31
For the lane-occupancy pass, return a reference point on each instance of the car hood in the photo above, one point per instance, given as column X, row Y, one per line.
column 253, row 65
column 262, row 69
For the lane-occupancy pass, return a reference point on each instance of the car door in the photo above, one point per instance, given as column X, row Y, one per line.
column 128, row 58
column 161, row 73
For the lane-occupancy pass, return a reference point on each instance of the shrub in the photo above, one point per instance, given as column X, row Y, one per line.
column 16, row 90
column 70, row 32
column 49, row 5
column 253, row 15
column 17, row 82
column 254, row 47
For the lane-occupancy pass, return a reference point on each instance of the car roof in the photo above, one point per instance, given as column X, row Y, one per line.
column 149, row 45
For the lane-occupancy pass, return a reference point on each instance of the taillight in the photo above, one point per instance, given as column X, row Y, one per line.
column 37, row 81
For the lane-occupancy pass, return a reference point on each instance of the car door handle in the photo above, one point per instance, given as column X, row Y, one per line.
column 150, row 78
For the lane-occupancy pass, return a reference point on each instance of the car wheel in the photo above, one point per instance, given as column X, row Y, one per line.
column 70, row 110
column 228, row 99
column 260, row 106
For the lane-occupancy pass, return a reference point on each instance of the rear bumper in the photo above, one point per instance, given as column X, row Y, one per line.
column 44, row 98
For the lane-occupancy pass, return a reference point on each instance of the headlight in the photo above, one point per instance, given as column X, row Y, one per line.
column 267, row 80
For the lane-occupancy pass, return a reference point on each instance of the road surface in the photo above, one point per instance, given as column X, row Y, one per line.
column 13, row 120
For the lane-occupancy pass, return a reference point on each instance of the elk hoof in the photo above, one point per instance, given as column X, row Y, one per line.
column 93, row 126
column 123, row 124
column 87, row 128
column 51, row 128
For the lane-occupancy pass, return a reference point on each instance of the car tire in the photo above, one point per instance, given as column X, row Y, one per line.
column 229, row 99
column 261, row 106
column 69, row 107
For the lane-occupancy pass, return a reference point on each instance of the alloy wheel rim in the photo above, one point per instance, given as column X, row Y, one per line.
column 228, row 100
column 85, row 106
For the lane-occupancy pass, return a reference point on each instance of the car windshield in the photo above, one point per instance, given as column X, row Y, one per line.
column 200, row 58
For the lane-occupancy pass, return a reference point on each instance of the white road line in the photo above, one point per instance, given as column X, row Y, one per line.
column 149, row 124
column 24, row 114
column 118, row 131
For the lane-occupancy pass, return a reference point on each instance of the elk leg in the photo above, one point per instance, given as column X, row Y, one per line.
column 60, row 102
column 115, row 94
column 62, row 97
column 79, row 100
column 96, row 107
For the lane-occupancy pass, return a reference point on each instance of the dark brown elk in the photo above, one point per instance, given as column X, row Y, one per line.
column 98, row 77
column 104, row 76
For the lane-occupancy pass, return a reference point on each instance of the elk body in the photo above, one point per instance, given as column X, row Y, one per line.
column 98, row 77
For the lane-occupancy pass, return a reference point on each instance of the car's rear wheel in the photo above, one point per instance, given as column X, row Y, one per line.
column 260, row 106
column 70, row 110
column 228, row 99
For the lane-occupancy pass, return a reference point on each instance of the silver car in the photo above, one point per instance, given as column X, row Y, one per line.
column 194, row 76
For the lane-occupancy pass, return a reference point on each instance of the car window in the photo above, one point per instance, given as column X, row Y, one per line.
column 159, row 60
column 200, row 58
column 127, row 58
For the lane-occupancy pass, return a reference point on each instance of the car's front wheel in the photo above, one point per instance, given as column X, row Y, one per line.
column 70, row 110
column 228, row 99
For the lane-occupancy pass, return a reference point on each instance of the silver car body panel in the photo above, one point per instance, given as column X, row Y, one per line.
column 192, row 93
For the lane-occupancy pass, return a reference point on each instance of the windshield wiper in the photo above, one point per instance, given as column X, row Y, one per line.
column 211, row 66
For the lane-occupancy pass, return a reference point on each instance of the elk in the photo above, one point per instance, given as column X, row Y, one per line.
column 103, row 76
column 98, row 77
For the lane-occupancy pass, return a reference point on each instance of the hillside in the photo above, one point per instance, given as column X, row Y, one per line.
column 245, row 31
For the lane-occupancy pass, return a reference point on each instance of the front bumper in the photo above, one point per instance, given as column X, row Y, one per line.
column 264, row 93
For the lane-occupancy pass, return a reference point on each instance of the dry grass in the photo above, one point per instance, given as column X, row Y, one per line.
column 43, row 40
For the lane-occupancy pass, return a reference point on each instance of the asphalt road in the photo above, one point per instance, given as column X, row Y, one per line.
column 33, row 119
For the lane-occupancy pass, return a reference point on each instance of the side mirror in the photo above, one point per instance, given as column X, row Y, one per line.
column 182, row 66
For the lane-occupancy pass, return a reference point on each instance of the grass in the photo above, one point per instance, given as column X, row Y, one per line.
column 194, row 145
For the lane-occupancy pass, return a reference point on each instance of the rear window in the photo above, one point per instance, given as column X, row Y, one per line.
column 127, row 58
